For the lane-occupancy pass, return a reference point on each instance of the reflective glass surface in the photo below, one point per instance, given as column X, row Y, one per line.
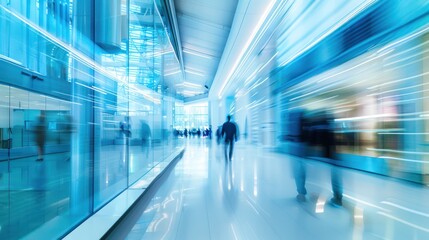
column 84, row 111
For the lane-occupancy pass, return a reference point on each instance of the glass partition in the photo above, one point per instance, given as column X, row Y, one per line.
column 85, row 109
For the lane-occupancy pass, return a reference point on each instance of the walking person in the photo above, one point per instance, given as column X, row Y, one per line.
column 229, row 131
column 218, row 134
column 146, row 138
column 40, row 132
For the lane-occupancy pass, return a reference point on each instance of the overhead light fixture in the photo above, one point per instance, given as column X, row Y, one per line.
column 172, row 73
column 197, row 53
column 191, row 84
column 188, row 84
column 195, row 73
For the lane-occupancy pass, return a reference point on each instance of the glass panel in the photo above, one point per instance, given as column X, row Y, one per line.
column 84, row 119
column 5, row 197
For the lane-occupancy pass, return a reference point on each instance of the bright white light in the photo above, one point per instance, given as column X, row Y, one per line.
column 197, row 53
column 363, row 117
column 188, row 84
column 320, row 205
column 195, row 73
column 172, row 73
column 246, row 46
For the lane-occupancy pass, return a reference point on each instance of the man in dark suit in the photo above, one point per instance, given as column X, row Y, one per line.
column 229, row 131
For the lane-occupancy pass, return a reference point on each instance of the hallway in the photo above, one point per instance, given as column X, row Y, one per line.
column 253, row 197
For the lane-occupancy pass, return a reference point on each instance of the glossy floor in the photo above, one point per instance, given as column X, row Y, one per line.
column 254, row 197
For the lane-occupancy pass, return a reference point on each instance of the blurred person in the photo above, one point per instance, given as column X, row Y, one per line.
column 176, row 132
column 229, row 130
column 125, row 127
column 69, row 129
column 298, row 135
column 185, row 133
column 40, row 132
column 218, row 134
column 337, row 186
column 329, row 146
column 146, row 137
column 327, row 138
column 299, row 174
column 125, row 131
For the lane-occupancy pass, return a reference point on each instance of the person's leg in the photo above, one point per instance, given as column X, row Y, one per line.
column 337, row 186
column 231, row 149
column 40, row 151
column 300, row 175
column 226, row 149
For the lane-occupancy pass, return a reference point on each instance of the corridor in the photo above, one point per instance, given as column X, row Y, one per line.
column 254, row 197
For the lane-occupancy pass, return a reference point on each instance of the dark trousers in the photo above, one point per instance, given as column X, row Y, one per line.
column 337, row 183
column 230, row 143
column 299, row 175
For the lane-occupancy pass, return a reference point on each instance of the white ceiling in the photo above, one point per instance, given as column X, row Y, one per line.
column 204, row 27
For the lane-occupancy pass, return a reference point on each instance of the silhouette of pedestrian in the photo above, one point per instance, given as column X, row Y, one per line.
column 329, row 146
column 40, row 131
column 229, row 129
column 323, row 130
column 125, row 127
column 68, row 130
column 145, row 135
column 299, row 137
column 299, row 170
column 218, row 134
column 337, row 186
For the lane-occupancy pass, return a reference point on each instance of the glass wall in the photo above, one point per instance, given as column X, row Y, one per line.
column 85, row 110
column 191, row 116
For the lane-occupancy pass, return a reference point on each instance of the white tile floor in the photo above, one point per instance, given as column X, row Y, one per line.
column 253, row 197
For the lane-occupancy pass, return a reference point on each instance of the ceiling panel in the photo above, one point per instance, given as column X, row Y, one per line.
column 204, row 27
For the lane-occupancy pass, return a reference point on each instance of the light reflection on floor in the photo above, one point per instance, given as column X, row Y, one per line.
column 253, row 197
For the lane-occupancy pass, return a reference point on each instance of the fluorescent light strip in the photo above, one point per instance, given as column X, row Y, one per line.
column 172, row 73
column 258, row 38
column 195, row 73
column 246, row 46
column 203, row 55
column 191, row 84
column 192, row 92
column 364, row 117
